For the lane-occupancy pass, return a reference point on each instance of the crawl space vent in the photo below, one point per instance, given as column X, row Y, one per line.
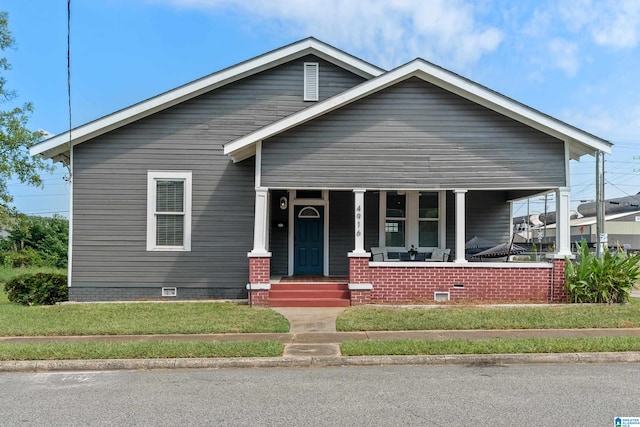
column 169, row 292
column 441, row 296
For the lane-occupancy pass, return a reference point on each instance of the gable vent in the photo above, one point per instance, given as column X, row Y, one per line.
column 311, row 81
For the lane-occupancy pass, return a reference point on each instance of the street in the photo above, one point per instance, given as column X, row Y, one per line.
column 531, row 395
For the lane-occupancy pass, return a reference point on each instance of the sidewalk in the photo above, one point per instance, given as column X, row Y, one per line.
column 313, row 341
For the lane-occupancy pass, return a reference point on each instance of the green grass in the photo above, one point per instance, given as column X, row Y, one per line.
column 132, row 318
column 138, row 318
column 140, row 350
column 490, row 346
column 453, row 317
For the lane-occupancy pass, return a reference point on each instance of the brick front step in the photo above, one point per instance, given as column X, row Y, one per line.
column 309, row 295
column 309, row 302
column 318, row 294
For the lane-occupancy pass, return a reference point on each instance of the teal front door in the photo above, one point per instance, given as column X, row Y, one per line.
column 308, row 240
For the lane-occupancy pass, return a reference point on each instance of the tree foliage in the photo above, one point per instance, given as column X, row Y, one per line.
column 15, row 138
column 36, row 241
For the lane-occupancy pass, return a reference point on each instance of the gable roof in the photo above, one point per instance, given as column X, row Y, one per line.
column 580, row 142
column 57, row 147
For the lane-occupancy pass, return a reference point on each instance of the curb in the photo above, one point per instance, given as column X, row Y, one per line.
column 315, row 362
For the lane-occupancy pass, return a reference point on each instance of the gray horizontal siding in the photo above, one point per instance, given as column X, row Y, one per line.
column 487, row 216
column 110, row 184
column 413, row 135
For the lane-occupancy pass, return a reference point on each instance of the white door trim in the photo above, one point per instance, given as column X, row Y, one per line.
column 324, row 202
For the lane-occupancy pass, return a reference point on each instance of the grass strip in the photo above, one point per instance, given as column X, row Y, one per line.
column 138, row 318
column 572, row 316
column 140, row 350
column 489, row 346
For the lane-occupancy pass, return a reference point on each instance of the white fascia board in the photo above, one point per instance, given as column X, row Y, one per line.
column 60, row 143
column 446, row 80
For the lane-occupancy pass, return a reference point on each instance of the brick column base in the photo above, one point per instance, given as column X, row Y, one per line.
column 360, row 297
column 259, row 280
column 558, row 292
column 359, row 279
column 259, row 298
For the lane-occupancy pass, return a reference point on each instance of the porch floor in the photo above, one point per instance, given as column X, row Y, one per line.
column 309, row 279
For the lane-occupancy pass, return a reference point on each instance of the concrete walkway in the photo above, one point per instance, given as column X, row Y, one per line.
column 313, row 341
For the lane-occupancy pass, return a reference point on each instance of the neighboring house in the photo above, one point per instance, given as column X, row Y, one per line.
column 298, row 162
column 622, row 229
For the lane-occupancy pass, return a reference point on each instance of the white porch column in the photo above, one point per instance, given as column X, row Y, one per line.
column 260, row 228
column 359, row 221
column 461, row 219
column 563, row 223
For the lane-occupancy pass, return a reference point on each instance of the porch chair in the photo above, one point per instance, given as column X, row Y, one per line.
column 378, row 254
column 439, row 255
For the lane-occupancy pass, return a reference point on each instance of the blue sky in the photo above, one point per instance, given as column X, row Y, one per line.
column 577, row 60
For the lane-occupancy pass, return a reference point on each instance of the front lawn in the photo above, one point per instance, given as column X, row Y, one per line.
column 137, row 318
column 132, row 318
column 573, row 316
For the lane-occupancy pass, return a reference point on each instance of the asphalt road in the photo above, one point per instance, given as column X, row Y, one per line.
column 527, row 395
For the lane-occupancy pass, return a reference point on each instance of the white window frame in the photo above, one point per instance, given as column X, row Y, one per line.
column 311, row 81
column 412, row 221
column 152, row 178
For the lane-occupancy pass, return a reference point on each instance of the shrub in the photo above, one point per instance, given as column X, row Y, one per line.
column 27, row 257
column 37, row 288
column 601, row 280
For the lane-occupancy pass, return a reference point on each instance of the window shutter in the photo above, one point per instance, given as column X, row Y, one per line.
column 311, row 81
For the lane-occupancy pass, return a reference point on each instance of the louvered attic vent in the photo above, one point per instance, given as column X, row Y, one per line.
column 311, row 81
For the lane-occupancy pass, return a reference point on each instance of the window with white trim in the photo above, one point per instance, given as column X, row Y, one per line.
column 395, row 219
column 411, row 218
column 169, row 211
column 428, row 219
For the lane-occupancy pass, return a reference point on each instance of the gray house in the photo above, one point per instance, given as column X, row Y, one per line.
column 280, row 174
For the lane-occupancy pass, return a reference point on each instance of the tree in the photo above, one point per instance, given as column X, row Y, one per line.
column 15, row 138
column 35, row 241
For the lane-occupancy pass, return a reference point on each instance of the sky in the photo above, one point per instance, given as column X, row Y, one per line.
column 576, row 60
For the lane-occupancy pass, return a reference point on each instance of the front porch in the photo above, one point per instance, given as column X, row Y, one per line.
column 350, row 223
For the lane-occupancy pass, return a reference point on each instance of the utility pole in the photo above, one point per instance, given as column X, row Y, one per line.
column 544, row 233
column 601, row 237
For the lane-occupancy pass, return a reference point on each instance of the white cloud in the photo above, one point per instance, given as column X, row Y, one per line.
column 612, row 23
column 615, row 124
column 390, row 31
column 565, row 55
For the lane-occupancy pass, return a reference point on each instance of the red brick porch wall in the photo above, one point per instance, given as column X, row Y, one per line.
column 482, row 282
